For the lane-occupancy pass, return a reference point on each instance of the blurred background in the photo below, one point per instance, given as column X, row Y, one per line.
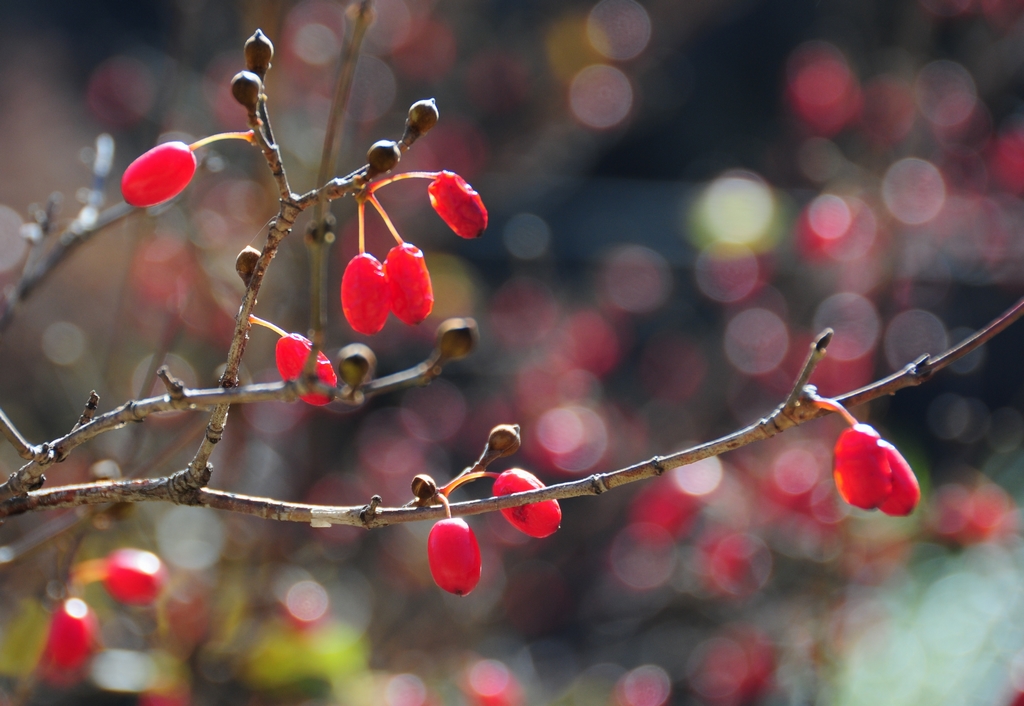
column 681, row 195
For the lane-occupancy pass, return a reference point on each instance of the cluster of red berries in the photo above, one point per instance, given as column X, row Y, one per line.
column 370, row 290
column 870, row 473
column 131, row 576
column 452, row 549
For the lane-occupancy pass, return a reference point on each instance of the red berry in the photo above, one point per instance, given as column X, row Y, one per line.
column 158, row 175
column 454, row 556
column 536, row 519
column 364, row 294
column 412, row 297
column 134, row 576
column 861, row 469
column 458, row 205
column 72, row 635
column 291, row 353
column 905, row 489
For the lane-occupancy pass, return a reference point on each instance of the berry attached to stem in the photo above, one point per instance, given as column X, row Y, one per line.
column 861, row 469
column 365, row 295
column 290, row 355
column 536, row 519
column 458, row 205
column 454, row 556
column 412, row 296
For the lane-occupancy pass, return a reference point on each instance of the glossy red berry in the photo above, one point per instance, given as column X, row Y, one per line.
column 134, row 576
column 72, row 635
column 365, row 296
column 291, row 353
column 158, row 175
column 412, row 296
column 458, row 205
column 861, row 468
column 906, row 492
column 454, row 556
column 536, row 519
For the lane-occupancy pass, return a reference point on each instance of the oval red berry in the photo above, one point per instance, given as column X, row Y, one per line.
column 291, row 353
column 861, row 469
column 454, row 556
column 536, row 519
column 412, row 296
column 458, row 205
column 365, row 297
column 158, row 175
column 906, row 492
column 134, row 576
column 72, row 635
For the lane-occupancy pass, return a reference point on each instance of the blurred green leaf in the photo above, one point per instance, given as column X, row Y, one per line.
column 24, row 640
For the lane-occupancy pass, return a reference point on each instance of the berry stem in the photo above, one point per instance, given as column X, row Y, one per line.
column 383, row 214
column 447, row 507
column 253, row 319
column 246, row 135
column 398, row 177
column 465, row 478
column 835, row 406
column 89, row 571
column 362, row 227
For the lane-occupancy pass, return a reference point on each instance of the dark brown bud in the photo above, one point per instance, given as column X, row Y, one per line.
column 245, row 263
column 503, row 441
column 424, row 487
column 382, row 157
column 456, row 338
column 259, row 52
column 246, row 87
column 423, row 115
column 357, row 364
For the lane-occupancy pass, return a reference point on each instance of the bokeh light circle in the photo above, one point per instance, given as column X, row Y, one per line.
column 576, row 437
column 945, row 93
column 643, row 556
column 726, row 273
column 526, row 236
column 913, row 191
column 913, row 333
column 600, row 96
column 619, row 29
column 63, row 343
column 855, row 321
column 636, row 279
column 647, row 685
column 307, row 601
column 737, row 208
column 700, row 478
column 756, row 341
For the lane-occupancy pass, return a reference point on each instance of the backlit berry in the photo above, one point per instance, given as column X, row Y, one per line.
column 906, row 492
column 536, row 519
column 861, row 468
column 365, row 296
column 134, row 576
column 458, row 205
column 158, row 175
column 454, row 556
column 291, row 353
column 72, row 635
column 412, row 297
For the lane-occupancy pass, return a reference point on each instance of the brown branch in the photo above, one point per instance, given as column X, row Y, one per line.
column 789, row 414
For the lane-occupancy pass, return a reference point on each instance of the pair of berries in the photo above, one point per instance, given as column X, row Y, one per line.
column 870, row 473
column 370, row 290
column 131, row 576
column 452, row 549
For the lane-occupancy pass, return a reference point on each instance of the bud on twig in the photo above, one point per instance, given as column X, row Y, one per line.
column 424, row 487
column 246, row 87
column 357, row 365
column 456, row 338
column 245, row 263
column 503, row 441
column 382, row 157
column 423, row 115
column 259, row 51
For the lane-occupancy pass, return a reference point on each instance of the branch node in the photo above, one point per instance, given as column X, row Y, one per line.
column 183, row 487
column 597, row 481
column 368, row 512
column 91, row 405
column 658, row 465
column 175, row 387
